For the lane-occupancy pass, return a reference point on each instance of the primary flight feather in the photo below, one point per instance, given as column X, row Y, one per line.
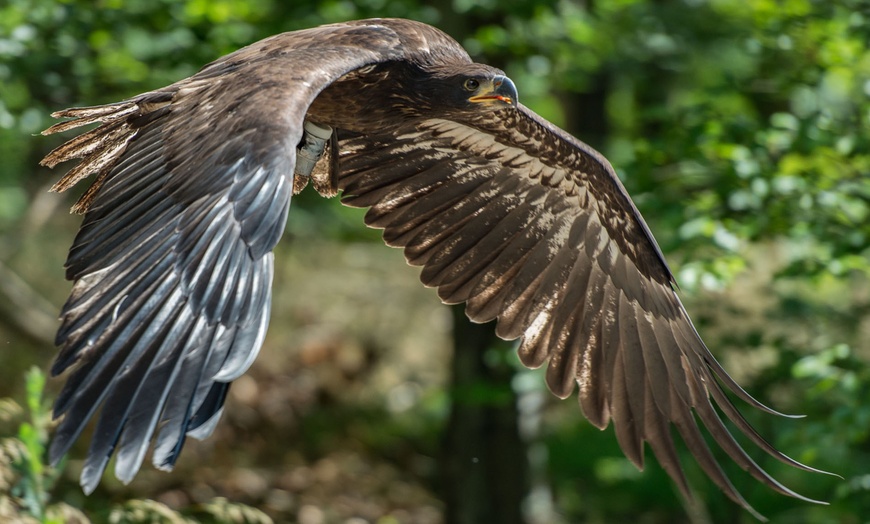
column 173, row 264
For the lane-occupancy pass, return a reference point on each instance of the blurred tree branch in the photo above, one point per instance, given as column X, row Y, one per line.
column 24, row 309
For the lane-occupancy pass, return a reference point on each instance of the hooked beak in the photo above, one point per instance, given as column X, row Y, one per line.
column 501, row 89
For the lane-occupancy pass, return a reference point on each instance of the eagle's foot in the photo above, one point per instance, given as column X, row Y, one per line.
column 309, row 151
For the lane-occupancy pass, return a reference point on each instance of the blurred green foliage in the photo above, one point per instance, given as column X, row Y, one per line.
column 740, row 127
column 26, row 480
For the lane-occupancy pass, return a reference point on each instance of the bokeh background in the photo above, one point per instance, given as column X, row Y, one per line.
column 740, row 127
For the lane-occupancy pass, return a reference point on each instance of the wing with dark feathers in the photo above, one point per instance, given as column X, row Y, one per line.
column 173, row 264
column 531, row 227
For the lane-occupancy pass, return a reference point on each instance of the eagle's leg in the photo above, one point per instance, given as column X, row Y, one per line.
column 309, row 151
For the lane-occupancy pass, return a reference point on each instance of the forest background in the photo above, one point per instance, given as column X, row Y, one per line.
column 740, row 127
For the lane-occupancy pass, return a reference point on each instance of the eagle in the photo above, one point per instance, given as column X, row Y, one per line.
column 505, row 212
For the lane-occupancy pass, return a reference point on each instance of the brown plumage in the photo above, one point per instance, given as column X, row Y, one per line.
column 504, row 211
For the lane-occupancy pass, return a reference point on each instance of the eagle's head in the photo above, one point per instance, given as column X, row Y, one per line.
column 462, row 88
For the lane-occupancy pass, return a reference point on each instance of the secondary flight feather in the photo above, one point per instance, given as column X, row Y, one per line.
column 172, row 267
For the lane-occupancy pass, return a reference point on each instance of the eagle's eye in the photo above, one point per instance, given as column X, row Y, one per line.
column 471, row 84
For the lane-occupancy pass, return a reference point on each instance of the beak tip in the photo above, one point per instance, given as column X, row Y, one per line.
column 505, row 87
column 503, row 90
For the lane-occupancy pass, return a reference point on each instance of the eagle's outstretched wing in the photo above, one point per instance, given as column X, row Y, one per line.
column 532, row 227
column 173, row 264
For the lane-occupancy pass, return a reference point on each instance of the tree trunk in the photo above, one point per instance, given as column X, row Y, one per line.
column 483, row 459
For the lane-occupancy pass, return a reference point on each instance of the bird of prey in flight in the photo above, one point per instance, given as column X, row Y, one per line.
column 527, row 225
